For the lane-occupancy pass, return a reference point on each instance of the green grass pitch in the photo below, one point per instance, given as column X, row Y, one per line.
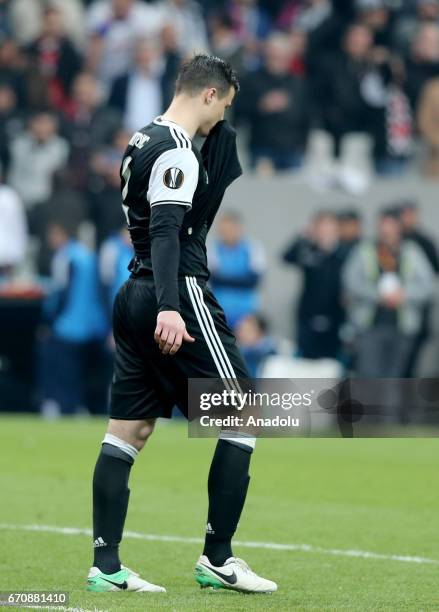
column 335, row 495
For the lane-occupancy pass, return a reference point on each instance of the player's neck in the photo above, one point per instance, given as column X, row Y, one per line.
column 183, row 112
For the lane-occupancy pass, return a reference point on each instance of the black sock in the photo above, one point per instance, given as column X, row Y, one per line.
column 110, row 505
column 227, row 487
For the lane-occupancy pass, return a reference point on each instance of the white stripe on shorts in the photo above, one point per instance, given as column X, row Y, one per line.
column 211, row 329
column 221, row 366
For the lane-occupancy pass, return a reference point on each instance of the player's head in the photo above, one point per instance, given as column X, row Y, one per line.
column 211, row 83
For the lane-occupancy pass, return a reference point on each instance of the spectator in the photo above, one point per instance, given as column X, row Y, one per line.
column 407, row 25
column 340, row 76
column 186, row 18
column 323, row 23
column 313, row 14
column 375, row 15
column 350, row 230
column 255, row 342
column 423, row 63
column 69, row 207
column 225, row 43
column 298, row 48
column 11, row 123
column 251, row 22
column 138, row 95
column 171, row 61
column 114, row 26
column 27, row 17
column 115, row 255
column 13, row 231
column 5, row 22
column 409, row 218
column 12, row 71
column 319, row 313
column 428, row 123
column 90, row 126
column 54, row 58
column 73, row 354
column 274, row 105
column 236, row 264
column 251, row 25
column 104, row 196
column 363, row 89
column 410, row 222
column 428, row 10
column 35, row 157
column 388, row 282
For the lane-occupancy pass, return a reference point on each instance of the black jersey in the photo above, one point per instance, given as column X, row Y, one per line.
column 162, row 166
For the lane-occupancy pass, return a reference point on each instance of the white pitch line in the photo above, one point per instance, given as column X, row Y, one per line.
column 64, row 609
column 362, row 554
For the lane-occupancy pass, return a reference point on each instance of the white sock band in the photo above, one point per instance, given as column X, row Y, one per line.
column 238, row 437
column 129, row 449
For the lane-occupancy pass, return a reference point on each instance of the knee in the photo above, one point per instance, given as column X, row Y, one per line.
column 135, row 433
column 143, row 433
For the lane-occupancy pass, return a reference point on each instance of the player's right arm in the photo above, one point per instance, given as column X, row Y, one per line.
column 173, row 181
column 165, row 226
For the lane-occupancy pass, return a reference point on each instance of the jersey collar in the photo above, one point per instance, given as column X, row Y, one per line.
column 159, row 121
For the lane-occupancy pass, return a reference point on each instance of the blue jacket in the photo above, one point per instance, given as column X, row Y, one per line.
column 74, row 307
column 114, row 258
column 235, row 274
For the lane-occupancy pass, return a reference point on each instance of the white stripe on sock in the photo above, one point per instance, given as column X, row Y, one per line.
column 127, row 448
column 238, row 436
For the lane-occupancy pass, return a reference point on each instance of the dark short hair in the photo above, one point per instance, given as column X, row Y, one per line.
column 204, row 71
column 408, row 204
column 348, row 214
column 261, row 322
column 390, row 212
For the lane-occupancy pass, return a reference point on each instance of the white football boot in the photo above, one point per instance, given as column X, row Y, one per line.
column 123, row 580
column 235, row 575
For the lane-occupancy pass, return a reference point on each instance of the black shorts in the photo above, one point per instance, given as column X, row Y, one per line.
column 147, row 384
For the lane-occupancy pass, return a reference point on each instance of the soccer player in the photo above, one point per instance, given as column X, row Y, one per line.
column 168, row 327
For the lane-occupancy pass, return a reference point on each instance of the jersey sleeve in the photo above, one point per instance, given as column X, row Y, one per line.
column 174, row 178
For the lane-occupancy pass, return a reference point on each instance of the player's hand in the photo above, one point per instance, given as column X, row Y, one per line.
column 170, row 332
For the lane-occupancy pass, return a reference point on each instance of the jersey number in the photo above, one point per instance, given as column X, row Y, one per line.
column 126, row 175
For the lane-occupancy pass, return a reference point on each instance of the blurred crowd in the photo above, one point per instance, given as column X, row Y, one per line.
column 366, row 300
column 77, row 77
